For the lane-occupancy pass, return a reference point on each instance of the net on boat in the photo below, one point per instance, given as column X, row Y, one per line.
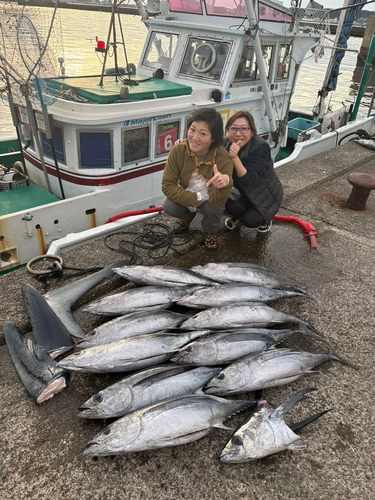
column 31, row 53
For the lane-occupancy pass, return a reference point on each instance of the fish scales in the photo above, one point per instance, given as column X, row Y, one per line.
column 162, row 275
column 266, row 369
column 145, row 388
column 170, row 423
column 128, row 354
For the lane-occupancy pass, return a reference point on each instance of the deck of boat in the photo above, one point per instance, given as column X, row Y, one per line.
column 24, row 198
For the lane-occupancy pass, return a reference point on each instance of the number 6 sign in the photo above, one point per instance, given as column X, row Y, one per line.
column 166, row 139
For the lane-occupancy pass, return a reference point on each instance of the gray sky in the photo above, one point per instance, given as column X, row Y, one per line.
column 334, row 4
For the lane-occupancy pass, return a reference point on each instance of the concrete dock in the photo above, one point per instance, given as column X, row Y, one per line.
column 41, row 447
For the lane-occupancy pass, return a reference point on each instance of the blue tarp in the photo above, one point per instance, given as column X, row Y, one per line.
column 344, row 36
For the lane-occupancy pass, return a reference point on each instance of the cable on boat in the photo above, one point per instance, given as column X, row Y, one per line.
column 155, row 237
column 56, row 269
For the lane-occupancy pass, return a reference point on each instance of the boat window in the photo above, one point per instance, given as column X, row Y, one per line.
column 248, row 67
column 160, row 50
column 205, row 58
column 267, row 13
column 95, row 149
column 227, row 8
column 58, row 144
column 135, row 144
column 167, row 135
column 283, row 61
column 189, row 6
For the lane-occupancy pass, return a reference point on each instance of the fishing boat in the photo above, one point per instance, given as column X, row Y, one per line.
column 97, row 144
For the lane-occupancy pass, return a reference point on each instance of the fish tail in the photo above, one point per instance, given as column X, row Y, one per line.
column 308, row 325
column 288, row 404
column 304, row 331
column 308, row 420
column 331, row 353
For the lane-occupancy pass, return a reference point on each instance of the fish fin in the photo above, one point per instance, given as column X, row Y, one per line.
column 288, row 404
column 304, row 331
column 308, row 325
column 48, row 330
column 62, row 299
column 296, row 446
column 307, row 421
column 222, row 426
column 331, row 353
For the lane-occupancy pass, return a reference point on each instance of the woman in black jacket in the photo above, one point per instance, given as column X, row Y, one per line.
column 257, row 191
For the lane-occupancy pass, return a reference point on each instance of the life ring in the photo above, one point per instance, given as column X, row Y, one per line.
column 205, row 61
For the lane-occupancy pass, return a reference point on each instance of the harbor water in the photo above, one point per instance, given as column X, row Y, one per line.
column 80, row 29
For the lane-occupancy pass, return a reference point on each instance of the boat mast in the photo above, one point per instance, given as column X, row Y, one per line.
column 254, row 31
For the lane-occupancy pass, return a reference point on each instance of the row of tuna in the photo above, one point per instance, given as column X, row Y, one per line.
column 180, row 363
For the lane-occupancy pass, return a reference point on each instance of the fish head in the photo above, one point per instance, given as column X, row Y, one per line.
column 227, row 381
column 113, row 401
column 253, row 440
column 196, row 353
column 117, row 438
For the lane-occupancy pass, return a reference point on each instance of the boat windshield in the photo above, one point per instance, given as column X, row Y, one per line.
column 205, row 58
column 160, row 50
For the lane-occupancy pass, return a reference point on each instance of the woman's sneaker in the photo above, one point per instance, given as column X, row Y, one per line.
column 182, row 225
column 231, row 222
column 265, row 229
column 211, row 241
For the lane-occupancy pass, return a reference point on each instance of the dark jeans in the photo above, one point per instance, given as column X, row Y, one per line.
column 211, row 221
column 244, row 210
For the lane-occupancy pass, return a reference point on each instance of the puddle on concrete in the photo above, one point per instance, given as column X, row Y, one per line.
column 284, row 250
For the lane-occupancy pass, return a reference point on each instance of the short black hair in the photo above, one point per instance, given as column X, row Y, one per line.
column 213, row 120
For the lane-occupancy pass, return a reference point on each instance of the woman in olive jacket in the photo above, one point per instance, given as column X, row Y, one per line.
column 203, row 154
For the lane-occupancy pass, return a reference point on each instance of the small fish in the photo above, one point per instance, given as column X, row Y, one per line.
column 265, row 432
column 266, row 369
column 35, row 367
column 144, row 298
column 230, row 293
column 169, row 423
column 243, row 272
column 48, row 330
column 162, row 275
column 129, row 354
column 62, row 299
column 131, row 325
column 240, row 315
column 145, row 388
column 227, row 346
column 367, row 143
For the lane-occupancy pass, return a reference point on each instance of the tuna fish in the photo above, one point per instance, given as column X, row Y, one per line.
column 225, row 347
column 145, row 388
column 265, row 432
column 131, row 325
column 144, row 298
column 229, row 293
column 266, row 369
column 170, row 423
column 242, row 314
column 129, row 354
column 35, row 367
column 162, row 275
column 243, row 272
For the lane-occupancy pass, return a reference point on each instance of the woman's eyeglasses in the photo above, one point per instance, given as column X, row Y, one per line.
column 243, row 130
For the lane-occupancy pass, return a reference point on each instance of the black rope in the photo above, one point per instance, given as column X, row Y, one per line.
column 55, row 271
column 154, row 238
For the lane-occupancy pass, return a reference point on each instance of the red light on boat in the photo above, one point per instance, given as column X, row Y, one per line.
column 100, row 45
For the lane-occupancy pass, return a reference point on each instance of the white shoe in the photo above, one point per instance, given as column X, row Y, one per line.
column 231, row 222
column 265, row 229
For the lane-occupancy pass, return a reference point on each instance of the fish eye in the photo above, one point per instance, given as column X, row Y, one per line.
column 221, row 376
column 236, row 440
column 93, row 333
column 189, row 349
column 98, row 398
column 107, row 431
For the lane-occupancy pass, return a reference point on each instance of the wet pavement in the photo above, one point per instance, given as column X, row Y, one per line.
column 41, row 447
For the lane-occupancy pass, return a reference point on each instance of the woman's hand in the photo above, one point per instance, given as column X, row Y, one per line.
column 179, row 141
column 235, row 149
column 218, row 180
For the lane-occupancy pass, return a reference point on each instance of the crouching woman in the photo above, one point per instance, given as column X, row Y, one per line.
column 257, row 192
column 202, row 157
